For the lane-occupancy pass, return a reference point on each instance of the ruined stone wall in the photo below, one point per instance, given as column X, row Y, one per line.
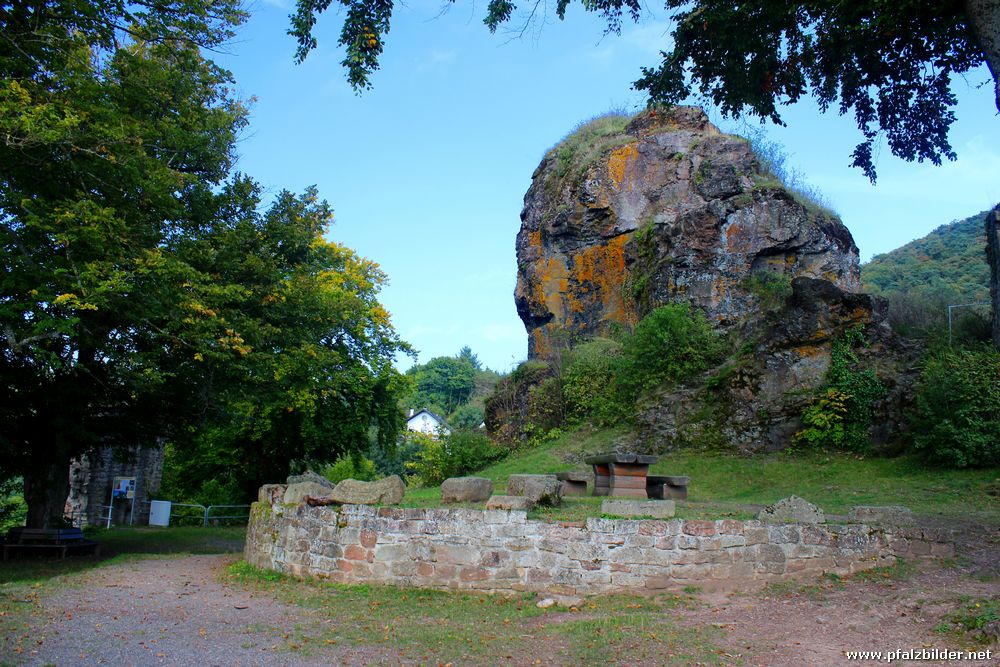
column 497, row 550
column 91, row 477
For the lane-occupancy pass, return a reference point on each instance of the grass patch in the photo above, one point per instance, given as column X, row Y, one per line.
column 436, row 627
column 901, row 570
column 722, row 481
column 971, row 618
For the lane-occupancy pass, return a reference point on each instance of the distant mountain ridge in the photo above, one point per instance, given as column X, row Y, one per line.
column 952, row 257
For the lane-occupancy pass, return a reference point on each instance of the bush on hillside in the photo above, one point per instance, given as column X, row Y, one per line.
column 589, row 381
column 351, row 466
column 671, row 344
column 957, row 417
column 458, row 454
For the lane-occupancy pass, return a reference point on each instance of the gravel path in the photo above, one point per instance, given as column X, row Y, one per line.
column 164, row 611
column 177, row 611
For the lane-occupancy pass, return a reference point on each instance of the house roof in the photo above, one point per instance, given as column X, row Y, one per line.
column 437, row 417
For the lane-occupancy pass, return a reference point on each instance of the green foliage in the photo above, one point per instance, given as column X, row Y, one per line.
column 351, row 466
column 671, row 344
column 466, row 417
column 841, row 415
column 442, row 384
column 958, row 400
column 950, row 257
column 589, row 381
column 146, row 292
column 823, row 421
column 770, row 287
column 864, row 56
column 971, row 618
column 922, row 278
column 12, row 506
column 458, row 454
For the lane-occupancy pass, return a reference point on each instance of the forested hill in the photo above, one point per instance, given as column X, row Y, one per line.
column 952, row 257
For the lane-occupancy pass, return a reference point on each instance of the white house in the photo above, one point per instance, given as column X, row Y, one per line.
column 426, row 422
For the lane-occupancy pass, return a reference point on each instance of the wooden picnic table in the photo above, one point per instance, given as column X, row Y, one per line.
column 621, row 474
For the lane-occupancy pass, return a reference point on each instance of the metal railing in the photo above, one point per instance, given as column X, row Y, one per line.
column 204, row 514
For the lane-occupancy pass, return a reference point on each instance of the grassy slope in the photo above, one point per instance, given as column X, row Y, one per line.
column 836, row 482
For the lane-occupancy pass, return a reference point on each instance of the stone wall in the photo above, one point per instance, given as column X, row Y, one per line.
column 497, row 550
column 91, row 476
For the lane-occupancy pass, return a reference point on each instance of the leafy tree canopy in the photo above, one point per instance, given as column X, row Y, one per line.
column 888, row 63
column 143, row 293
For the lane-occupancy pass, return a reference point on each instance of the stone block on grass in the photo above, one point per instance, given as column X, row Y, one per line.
column 515, row 483
column 658, row 509
column 545, row 491
column 466, row 489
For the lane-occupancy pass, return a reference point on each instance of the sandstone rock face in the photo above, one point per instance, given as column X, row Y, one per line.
column 386, row 491
column 758, row 398
column 668, row 209
column 888, row 515
column 466, row 489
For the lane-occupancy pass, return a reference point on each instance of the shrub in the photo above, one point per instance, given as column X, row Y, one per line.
column 841, row 415
column 956, row 419
column 351, row 466
column 466, row 416
column 460, row 453
column 13, row 509
column 671, row 344
column 589, row 381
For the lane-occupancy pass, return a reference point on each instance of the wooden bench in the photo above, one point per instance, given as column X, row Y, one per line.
column 666, row 487
column 61, row 540
column 620, row 474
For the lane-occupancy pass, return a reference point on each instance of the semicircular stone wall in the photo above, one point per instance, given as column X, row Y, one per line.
column 503, row 551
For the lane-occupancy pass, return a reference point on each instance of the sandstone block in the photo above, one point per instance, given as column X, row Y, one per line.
column 544, row 491
column 793, row 509
column 466, row 489
column 309, row 476
column 660, row 509
column 386, row 491
column 509, row 503
column 295, row 493
column 271, row 493
column 515, row 483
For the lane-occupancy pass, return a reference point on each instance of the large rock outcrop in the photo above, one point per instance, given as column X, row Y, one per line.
column 616, row 223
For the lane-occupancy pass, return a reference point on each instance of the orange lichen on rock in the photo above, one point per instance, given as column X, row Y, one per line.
column 619, row 161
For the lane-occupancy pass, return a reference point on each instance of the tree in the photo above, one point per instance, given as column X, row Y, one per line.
column 443, row 383
column 135, row 276
column 888, row 62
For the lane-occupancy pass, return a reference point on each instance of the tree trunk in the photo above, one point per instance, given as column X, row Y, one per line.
column 984, row 19
column 45, row 491
column 993, row 257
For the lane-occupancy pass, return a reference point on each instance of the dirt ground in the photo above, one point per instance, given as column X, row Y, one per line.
column 177, row 611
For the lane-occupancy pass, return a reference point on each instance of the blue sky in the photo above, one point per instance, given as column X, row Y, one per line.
column 427, row 172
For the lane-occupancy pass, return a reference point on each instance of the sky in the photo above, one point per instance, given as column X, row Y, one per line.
column 427, row 171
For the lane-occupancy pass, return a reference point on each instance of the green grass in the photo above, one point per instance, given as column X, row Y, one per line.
column 721, row 482
column 970, row 618
column 435, row 627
